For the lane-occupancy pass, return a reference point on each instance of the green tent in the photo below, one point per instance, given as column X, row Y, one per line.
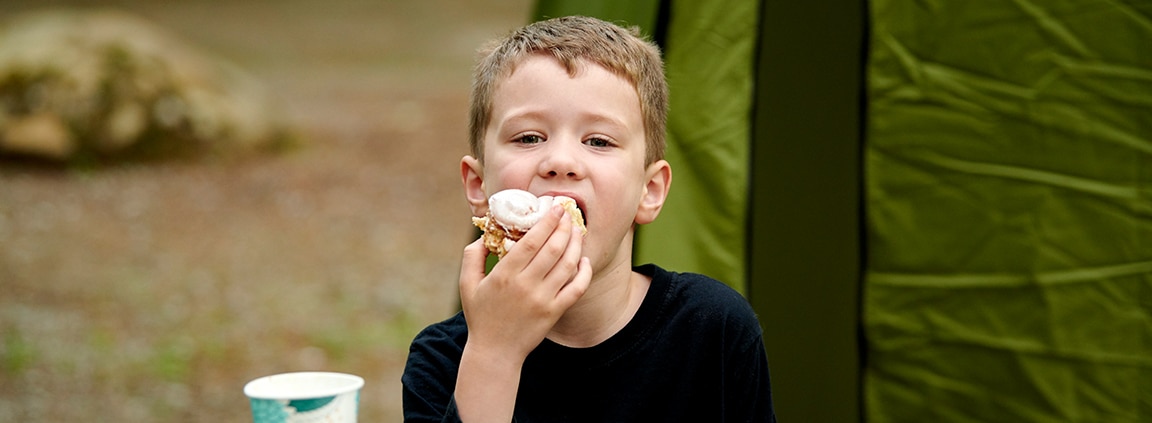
column 1009, row 204
column 942, row 210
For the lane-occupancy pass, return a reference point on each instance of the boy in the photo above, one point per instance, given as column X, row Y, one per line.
column 564, row 329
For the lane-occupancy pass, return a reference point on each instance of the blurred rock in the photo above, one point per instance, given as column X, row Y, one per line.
column 105, row 83
column 42, row 134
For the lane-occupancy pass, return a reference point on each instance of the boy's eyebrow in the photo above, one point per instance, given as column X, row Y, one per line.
column 534, row 116
column 609, row 120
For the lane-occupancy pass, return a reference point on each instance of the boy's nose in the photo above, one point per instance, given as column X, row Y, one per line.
column 562, row 161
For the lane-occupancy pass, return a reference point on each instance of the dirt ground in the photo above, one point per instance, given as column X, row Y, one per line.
column 153, row 292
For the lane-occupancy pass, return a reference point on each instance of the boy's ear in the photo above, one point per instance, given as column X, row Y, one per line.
column 659, row 176
column 472, row 174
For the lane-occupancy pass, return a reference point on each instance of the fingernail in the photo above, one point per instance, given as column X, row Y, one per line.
column 557, row 210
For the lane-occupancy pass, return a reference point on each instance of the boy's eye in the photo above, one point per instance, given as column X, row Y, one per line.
column 529, row 139
column 598, row 142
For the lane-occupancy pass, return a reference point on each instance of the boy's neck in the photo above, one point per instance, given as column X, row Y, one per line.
column 612, row 299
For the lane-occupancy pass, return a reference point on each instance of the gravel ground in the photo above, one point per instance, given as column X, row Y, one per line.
column 153, row 292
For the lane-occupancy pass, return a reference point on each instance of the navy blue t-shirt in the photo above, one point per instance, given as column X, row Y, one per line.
column 692, row 353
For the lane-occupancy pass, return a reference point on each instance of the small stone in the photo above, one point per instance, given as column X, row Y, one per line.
column 41, row 134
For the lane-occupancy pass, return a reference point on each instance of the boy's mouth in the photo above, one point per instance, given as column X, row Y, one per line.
column 579, row 203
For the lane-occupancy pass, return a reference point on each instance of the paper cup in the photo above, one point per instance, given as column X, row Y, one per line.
column 305, row 397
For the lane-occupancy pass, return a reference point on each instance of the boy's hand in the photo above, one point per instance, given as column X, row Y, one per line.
column 512, row 309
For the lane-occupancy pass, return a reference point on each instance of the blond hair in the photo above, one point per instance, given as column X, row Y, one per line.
column 569, row 40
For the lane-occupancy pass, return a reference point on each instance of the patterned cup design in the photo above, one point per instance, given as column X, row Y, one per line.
column 305, row 397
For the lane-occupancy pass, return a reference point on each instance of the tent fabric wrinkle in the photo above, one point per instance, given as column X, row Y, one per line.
column 1008, row 156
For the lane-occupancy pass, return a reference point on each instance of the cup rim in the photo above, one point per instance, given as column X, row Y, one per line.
column 353, row 383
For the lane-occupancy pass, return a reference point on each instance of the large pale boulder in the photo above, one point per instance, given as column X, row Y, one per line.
column 106, row 83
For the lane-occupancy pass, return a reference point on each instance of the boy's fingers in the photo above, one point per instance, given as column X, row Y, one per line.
column 575, row 289
column 472, row 265
column 549, row 254
column 527, row 248
column 521, row 254
column 567, row 264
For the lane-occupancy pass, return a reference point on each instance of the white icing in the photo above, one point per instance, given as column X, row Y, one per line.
column 518, row 210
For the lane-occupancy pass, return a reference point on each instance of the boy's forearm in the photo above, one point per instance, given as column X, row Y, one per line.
column 486, row 386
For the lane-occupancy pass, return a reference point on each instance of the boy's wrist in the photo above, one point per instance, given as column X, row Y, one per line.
column 487, row 384
column 502, row 359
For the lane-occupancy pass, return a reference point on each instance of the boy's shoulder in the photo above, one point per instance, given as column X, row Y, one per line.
column 697, row 295
column 451, row 331
column 700, row 286
column 439, row 344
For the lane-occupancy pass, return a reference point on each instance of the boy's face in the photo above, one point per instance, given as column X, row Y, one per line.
column 581, row 136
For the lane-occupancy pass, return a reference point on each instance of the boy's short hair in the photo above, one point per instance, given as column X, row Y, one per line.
column 569, row 40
